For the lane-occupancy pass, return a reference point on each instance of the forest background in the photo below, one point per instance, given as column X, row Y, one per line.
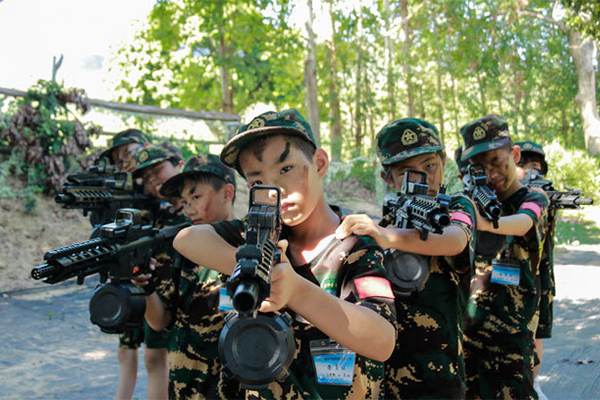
column 349, row 66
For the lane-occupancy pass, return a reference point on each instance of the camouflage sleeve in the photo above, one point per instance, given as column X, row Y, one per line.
column 464, row 216
column 169, row 292
column 364, row 281
column 548, row 285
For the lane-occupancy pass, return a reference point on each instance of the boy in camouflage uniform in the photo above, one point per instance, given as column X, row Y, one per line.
column 120, row 154
column 338, row 289
column 534, row 157
column 189, row 306
column 502, row 314
column 427, row 361
column 122, row 149
column 155, row 164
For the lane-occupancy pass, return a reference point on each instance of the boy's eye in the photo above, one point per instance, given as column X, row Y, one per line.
column 286, row 169
column 256, row 183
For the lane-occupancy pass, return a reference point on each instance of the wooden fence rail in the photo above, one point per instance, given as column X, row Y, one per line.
column 151, row 110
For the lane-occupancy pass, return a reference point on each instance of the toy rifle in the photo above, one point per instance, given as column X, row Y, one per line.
column 257, row 348
column 250, row 284
column 413, row 208
column 485, row 199
column 121, row 252
column 102, row 191
column 568, row 199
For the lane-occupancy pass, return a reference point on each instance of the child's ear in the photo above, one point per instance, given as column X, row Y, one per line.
column 516, row 153
column 228, row 192
column 387, row 178
column 321, row 160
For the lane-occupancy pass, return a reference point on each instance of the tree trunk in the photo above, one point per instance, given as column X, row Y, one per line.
column 310, row 76
column 407, row 59
column 226, row 87
column 582, row 50
column 455, row 109
column 335, row 121
column 389, row 55
column 564, row 126
column 358, row 85
column 481, row 85
column 422, row 113
column 440, row 93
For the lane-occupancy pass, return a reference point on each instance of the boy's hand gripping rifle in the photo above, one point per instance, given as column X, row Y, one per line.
column 121, row 252
column 569, row 199
column 485, row 199
column 257, row 348
column 413, row 208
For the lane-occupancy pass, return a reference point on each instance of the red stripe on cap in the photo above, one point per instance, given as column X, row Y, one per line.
column 373, row 286
column 462, row 217
column 530, row 205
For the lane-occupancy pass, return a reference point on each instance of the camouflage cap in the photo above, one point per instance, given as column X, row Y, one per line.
column 406, row 138
column 124, row 137
column 203, row 164
column 484, row 134
column 528, row 146
column 286, row 122
column 150, row 154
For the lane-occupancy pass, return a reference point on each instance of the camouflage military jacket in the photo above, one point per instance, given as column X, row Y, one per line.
column 342, row 269
column 167, row 216
column 547, row 282
column 194, row 367
column 502, row 319
column 427, row 361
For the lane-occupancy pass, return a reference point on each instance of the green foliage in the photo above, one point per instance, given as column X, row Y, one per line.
column 572, row 232
column 586, row 16
column 451, row 179
column 573, row 168
column 460, row 61
column 46, row 144
column 363, row 169
column 9, row 189
column 191, row 50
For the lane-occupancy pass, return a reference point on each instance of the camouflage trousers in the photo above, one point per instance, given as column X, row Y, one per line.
column 502, row 370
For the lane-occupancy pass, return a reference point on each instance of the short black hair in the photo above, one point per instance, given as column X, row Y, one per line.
column 529, row 156
column 214, row 181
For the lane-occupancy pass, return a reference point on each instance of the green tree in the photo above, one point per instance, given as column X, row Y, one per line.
column 224, row 55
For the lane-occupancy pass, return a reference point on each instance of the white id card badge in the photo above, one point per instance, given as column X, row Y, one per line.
column 506, row 271
column 334, row 364
column 225, row 302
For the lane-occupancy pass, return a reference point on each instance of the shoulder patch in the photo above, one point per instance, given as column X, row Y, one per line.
column 530, row 205
column 373, row 286
column 461, row 217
